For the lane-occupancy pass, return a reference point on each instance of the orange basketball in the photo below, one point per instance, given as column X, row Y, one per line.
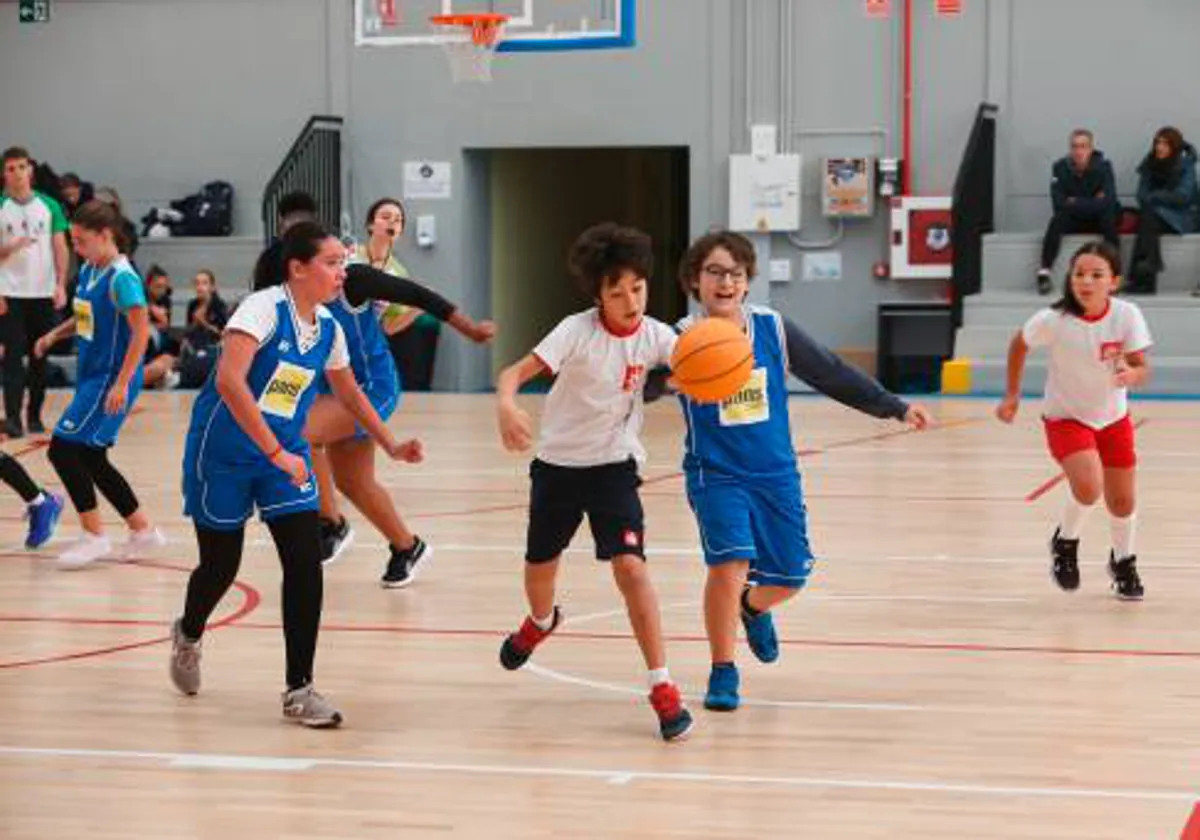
column 713, row 359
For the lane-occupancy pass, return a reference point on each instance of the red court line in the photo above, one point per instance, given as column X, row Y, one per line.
column 1050, row 483
column 251, row 598
column 846, row 644
column 32, row 446
column 842, row 444
column 1191, row 831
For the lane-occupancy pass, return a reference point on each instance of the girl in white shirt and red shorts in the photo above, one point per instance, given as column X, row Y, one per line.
column 1097, row 346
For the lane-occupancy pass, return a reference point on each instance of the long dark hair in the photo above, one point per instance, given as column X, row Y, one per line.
column 1068, row 302
column 1164, row 171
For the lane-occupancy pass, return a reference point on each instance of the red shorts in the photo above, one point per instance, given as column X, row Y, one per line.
column 1114, row 443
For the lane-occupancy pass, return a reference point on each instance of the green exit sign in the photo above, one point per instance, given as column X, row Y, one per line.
column 34, row 11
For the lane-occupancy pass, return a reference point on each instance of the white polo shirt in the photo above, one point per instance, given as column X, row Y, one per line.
column 594, row 412
column 1083, row 360
column 30, row 273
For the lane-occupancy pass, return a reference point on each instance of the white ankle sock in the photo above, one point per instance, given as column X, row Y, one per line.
column 1123, row 532
column 37, row 500
column 1074, row 515
column 658, row 676
column 544, row 624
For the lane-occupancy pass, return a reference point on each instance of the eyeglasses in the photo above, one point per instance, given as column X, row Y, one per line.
column 720, row 272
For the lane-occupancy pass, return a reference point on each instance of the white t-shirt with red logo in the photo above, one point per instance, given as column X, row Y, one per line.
column 593, row 414
column 1083, row 360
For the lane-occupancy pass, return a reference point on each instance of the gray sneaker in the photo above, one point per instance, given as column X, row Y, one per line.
column 185, row 661
column 308, row 708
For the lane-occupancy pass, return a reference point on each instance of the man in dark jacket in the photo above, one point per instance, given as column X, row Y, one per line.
column 1084, row 193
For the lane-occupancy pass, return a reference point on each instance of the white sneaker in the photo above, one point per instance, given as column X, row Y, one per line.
column 84, row 551
column 140, row 543
column 172, row 380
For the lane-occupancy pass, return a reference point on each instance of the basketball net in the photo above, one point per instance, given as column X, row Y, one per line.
column 470, row 43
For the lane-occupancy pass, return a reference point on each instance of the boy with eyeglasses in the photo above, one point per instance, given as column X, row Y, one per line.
column 743, row 483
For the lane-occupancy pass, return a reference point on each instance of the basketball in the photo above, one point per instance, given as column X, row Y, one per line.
column 712, row 360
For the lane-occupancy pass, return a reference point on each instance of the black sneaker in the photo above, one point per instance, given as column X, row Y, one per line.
column 1045, row 285
column 13, row 428
column 1064, row 562
column 336, row 537
column 35, row 426
column 1126, row 584
column 404, row 566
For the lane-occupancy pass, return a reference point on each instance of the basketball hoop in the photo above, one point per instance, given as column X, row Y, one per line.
column 470, row 43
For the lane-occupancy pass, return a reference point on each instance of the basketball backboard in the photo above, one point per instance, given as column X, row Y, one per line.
column 534, row 25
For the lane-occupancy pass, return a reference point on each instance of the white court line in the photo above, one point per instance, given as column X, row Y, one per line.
column 831, row 705
column 1032, row 558
column 618, row 776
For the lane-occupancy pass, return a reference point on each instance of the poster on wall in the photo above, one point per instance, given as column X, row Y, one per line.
column 848, row 188
column 427, row 179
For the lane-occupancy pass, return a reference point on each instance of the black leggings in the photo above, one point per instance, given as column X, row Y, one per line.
column 298, row 540
column 28, row 319
column 14, row 475
column 85, row 468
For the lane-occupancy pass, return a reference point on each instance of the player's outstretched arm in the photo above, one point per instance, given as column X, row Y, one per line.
column 343, row 386
column 364, row 283
column 815, row 364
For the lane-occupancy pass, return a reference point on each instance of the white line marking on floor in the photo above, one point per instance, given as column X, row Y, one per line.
column 626, row 775
column 583, row 682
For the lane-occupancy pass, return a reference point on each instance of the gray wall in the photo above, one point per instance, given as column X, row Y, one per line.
column 156, row 96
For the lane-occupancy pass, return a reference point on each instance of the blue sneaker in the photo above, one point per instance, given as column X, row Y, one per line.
column 760, row 635
column 722, row 693
column 42, row 520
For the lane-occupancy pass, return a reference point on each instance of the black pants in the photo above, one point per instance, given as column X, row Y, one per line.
column 14, row 475
column 414, row 351
column 1064, row 223
column 83, row 470
column 298, row 540
column 1147, row 261
column 28, row 319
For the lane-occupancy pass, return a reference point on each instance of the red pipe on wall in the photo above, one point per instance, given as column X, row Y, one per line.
column 906, row 119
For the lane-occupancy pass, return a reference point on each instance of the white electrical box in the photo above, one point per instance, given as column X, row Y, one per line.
column 848, row 187
column 764, row 193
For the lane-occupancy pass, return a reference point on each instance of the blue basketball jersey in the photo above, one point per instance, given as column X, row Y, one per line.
column 102, row 296
column 283, row 379
column 370, row 356
column 747, row 436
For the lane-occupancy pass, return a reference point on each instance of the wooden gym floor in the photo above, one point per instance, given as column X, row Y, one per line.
column 934, row 683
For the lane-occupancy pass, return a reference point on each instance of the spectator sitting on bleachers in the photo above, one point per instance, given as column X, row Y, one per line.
column 1169, row 205
column 75, row 192
column 207, row 315
column 162, row 352
column 1084, row 194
